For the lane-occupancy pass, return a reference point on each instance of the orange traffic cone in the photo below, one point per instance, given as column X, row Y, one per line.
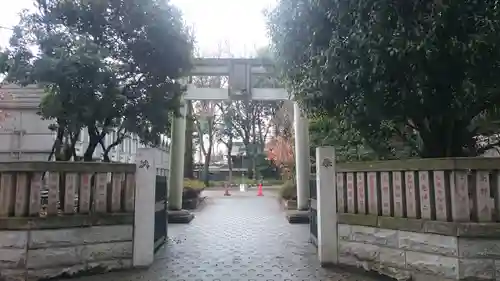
column 259, row 192
column 226, row 191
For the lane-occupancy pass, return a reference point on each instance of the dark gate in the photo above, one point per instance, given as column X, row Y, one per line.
column 313, row 210
column 160, row 212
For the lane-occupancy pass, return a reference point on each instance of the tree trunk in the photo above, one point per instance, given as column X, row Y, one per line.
column 230, row 160
column 439, row 140
column 254, row 148
column 230, row 167
column 56, row 147
column 206, row 170
column 188, row 156
column 74, row 140
column 88, row 156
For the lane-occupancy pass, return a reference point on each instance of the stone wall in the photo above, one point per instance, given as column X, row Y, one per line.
column 419, row 249
column 46, row 253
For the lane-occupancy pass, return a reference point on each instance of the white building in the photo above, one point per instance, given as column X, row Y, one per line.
column 25, row 136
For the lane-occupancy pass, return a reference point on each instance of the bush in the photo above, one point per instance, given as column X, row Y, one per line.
column 274, row 182
column 194, row 184
column 288, row 191
column 192, row 189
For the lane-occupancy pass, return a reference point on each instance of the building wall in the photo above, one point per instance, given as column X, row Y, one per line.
column 25, row 136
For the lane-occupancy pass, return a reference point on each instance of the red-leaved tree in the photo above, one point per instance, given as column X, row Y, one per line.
column 280, row 150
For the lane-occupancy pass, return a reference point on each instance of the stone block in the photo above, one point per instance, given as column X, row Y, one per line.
column 476, row 269
column 344, row 231
column 58, row 222
column 112, row 265
column 13, row 275
column 54, row 272
column 79, row 269
column 406, row 224
column 80, row 236
column 392, row 257
column 357, row 219
column 358, row 251
column 497, row 269
column 298, row 217
column 106, row 251
column 437, row 265
column 181, row 216
column 478, row 248
column 441, row 227
column 12, row 258
column 396, row 273
column 54, row 257
column 428, row 243
column 358, row 254
column 377, row 236
column 476, row 230
column 13, row 239
column 426, row 277
column 290, row 204
column 66, row 256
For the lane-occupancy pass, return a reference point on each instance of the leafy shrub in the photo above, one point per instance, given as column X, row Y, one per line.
column 194, row 184
column 192, row 189
column 274, row 182
column 288, row 191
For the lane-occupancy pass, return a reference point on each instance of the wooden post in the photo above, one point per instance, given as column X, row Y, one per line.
column 459, row 190
column 385, row 193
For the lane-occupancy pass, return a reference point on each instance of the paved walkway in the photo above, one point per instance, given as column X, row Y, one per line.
column 241, row 238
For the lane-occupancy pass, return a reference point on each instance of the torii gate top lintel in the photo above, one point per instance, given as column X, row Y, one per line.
column 240, row 73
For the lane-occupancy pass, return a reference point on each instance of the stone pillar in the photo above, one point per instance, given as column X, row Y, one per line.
column 302, row 157
column 177, row 151
column 327, row 205
column 144, row 210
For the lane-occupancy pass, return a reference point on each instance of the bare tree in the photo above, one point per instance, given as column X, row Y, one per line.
column 204, row 120
column 225, row 132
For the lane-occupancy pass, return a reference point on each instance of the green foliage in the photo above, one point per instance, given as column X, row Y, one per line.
column 411, row 76
column 288, row 191
column 192, row 189
column 193, row 184
column 349, row 144
column 106, row 65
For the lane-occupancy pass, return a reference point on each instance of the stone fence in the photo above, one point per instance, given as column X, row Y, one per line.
column 62, row 218
column 425, row 219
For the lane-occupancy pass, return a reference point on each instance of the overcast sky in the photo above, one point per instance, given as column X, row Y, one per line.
column 239, row 22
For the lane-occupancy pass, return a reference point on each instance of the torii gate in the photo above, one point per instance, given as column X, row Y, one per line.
column 240, row 73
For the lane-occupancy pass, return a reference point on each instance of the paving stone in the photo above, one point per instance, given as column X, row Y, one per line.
column 240, row 237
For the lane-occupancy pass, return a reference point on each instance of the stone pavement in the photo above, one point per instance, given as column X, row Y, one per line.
column 241, row 238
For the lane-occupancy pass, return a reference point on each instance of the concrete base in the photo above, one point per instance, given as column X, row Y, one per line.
column 297, row 217
column 180, row 216
column 289, row 205
column 193, row 204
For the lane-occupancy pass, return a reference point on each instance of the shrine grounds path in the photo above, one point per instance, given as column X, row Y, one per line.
column 240, row 237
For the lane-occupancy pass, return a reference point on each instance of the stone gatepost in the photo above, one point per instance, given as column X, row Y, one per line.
column 327, row 205
column 144, row 215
